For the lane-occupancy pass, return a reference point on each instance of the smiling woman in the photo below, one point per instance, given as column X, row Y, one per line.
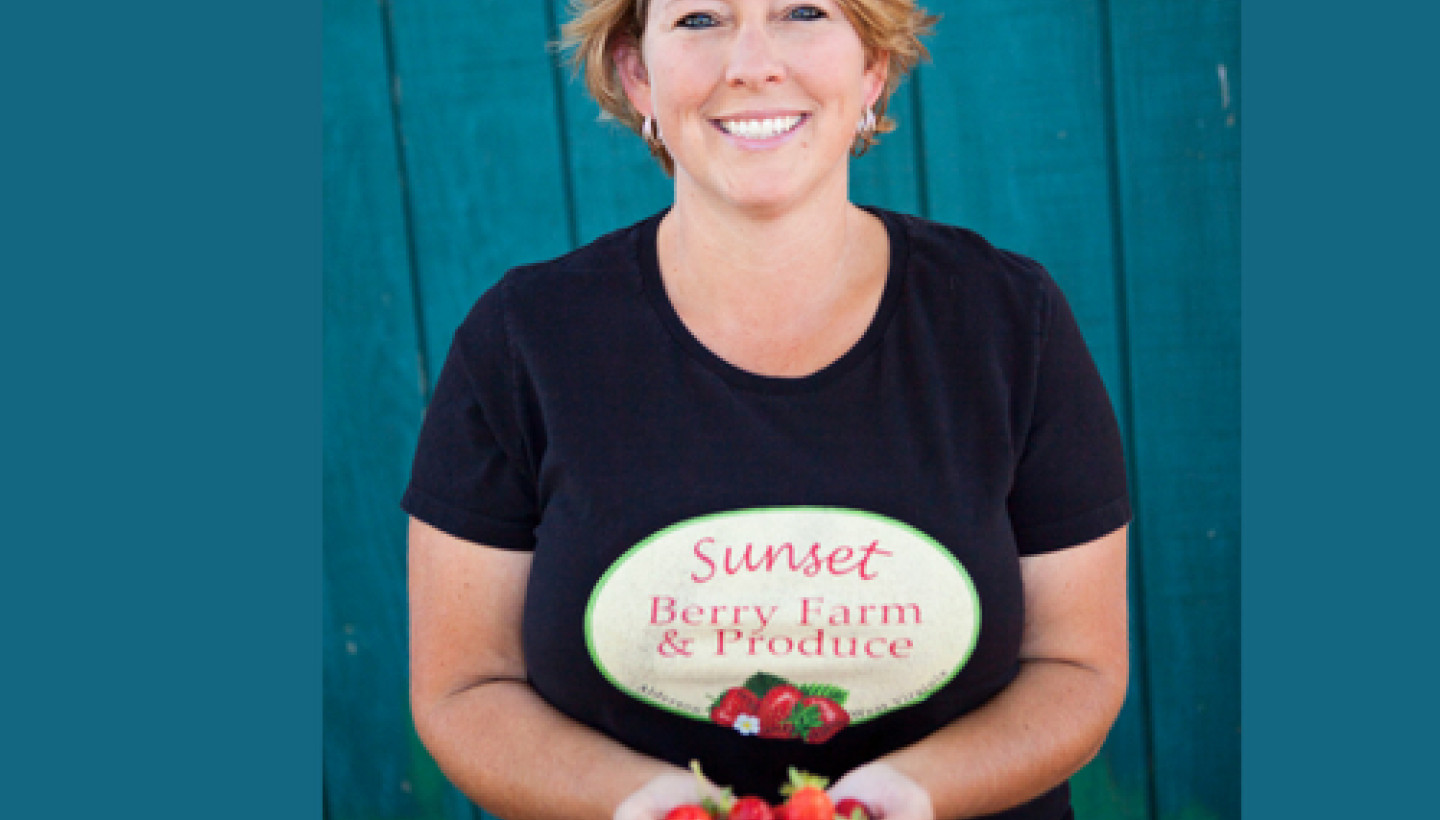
column 889, row 30
column 634, row 448
column 757, row 105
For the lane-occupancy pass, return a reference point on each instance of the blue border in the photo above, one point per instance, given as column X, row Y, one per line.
column 1339, row 192
column 161, row 328
column 160, row 214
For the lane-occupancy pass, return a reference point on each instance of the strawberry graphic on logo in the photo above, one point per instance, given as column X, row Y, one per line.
column 736, row 704
column 775, row 710
column 779, row 710
column 817, row 719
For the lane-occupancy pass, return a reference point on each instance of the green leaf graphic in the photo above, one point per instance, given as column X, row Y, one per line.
column 823, row 690
column 762, row 682
column 805, row 718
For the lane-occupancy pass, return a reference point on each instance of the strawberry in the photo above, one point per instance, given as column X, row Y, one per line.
column 751, row 808
column 781, row 812
column 774, row 711
column 689, row 811
column 851, row 809
column 731, row 705
column 817, row 719
column 807, row 797
column 711, row 807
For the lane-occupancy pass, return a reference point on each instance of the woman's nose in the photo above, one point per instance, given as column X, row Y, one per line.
column 754, row 58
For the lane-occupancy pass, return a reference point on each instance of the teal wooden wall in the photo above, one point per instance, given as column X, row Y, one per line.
column 1099, row 136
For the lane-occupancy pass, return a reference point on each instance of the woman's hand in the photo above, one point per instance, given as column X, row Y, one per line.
column 663, row 793
column 1052, row 718
column 889, row 794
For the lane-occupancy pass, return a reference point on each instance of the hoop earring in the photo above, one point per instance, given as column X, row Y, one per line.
column 866, row 126
column 651, row 131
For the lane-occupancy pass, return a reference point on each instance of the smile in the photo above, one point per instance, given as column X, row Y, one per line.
column 760, row 129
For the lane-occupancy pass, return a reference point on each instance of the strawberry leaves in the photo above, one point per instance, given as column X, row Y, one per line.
column 781, row 710
column 823, row 690
column 805, row 718
column 805, row 799
column 762, row 682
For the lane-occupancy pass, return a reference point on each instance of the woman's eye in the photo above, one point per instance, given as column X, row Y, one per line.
column 805, row 13
column 696, row 19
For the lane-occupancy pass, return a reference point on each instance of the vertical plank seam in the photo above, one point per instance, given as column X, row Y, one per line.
column 397, row 128
column 1127, row 402
column 562, row 123
column 922, row 185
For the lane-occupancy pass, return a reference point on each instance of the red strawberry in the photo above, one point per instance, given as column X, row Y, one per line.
column 781, row 812
column 733, row 704
column 808, row 800
column 711, row 807
column 848, row 807
column 751, row 808
column 690, row 811
column 775, row 709
column 818, row 719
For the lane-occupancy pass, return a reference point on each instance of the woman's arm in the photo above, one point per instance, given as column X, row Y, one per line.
column 1050, row 721
column 491, row 734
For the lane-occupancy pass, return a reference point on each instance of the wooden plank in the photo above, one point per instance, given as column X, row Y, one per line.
column 1177, row 102
column 615, row 181
column 373, row 767
column 1015, row 140
column 1016, row 136
column 482, row 138
column 888, row 174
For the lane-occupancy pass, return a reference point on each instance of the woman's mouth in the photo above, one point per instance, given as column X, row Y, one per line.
column 760, row 128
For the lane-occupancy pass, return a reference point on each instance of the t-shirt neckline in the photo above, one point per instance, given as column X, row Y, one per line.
column 648, row 261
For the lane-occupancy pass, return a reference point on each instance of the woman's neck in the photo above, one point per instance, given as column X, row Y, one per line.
column 727, row 255
column 775, row 291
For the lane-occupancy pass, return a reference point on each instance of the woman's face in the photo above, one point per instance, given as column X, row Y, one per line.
column 756, row 100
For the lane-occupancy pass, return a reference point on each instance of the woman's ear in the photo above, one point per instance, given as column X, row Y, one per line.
column 630, row 65
column 876, row 73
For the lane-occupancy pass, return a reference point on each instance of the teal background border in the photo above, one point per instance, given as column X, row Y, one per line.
column 160, row 249
column 1339, row 409
column 159, row 245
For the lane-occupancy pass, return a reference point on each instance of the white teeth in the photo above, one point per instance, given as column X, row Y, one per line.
column 760, row 129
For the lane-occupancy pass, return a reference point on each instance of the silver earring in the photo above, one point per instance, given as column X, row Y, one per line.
column 866, row 127
column 650, row 131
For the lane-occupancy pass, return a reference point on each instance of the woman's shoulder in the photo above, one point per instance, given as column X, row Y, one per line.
column 597, row 262
column 950, row 263
column 580, row 294
column 605, row 267
column 953, row 250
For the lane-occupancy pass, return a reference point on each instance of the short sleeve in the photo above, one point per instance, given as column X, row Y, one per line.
column 1070, row 484
column 469, row 476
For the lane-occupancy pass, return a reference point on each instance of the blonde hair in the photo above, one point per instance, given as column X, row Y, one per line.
column 598, row 27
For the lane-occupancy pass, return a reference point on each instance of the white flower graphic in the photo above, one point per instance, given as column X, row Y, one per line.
column 747, row 724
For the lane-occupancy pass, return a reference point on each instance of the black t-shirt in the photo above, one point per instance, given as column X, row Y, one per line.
column 760, row 572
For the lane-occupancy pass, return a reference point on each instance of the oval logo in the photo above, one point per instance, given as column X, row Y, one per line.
column 788, row 622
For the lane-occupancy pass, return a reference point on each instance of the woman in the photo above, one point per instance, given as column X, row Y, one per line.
column 768, row 479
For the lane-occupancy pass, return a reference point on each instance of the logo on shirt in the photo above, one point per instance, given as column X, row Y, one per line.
column 786, row 622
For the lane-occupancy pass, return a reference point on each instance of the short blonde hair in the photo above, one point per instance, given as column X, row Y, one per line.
column 598, row 27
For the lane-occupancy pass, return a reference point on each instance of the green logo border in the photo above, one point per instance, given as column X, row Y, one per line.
column 921, row 534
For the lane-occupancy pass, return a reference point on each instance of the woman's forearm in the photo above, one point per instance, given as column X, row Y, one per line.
column 1050, row 721
column 519, row 758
